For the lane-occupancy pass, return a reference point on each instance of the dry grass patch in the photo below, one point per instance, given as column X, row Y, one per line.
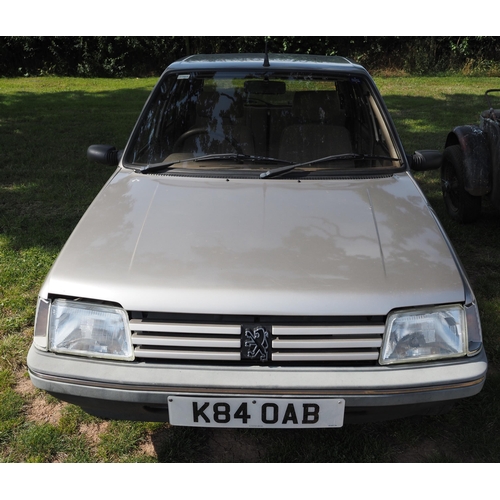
column 42, row 412
column 147, row 448
column 39, row 408
column 23, row 384
column 93, row 431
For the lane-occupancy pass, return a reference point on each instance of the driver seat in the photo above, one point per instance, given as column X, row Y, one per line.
column 318, row 130
column 219, row 127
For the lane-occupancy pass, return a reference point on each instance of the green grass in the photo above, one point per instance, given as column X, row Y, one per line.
column 46, row 183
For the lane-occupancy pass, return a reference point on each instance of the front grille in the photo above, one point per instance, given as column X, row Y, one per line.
column 185, row 341
column 327, row 343
column 288, row 342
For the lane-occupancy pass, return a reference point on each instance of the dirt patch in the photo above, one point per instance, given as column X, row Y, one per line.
column 92, row 431
column 419, row 452
column 24, row 385
column 41, row 412
column 232, row 445
column 38, row 410
column 429, row 450
column 147, row 448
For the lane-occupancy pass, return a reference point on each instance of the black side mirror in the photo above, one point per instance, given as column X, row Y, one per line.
column 427, row 159
column 104, row 154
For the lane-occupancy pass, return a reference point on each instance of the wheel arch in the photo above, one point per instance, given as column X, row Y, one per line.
column 474, row 145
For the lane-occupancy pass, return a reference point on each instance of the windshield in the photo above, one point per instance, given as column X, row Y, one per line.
column 222, row 120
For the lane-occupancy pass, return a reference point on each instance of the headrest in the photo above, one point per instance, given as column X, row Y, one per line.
column 215, row 104
column 318, row 107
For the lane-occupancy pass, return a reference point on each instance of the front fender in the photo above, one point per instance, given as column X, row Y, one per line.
column 474, row 145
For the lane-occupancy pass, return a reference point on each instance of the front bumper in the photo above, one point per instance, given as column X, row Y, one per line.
column 139, row 391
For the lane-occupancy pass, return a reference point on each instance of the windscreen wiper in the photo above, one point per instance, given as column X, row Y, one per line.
column 276, row 172
column 238, row 157
column 156, row 167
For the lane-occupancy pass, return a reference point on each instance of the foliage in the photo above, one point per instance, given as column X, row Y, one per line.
column 105, row 56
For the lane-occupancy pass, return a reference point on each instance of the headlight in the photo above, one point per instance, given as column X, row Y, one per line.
column 89, row 330
column 424, row 334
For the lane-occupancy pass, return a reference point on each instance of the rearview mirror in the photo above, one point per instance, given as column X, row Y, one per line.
column 427, row 159
column 265, row 87
column 104, row 154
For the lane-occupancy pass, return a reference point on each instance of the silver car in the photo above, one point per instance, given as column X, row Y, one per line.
column 261, row 257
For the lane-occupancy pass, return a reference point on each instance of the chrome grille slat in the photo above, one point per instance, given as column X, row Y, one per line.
column 185, row 340
column 199, row 355
column 181, row 341
column 327, row 343
column 149, row 326
column 326, row 356
column 329, row 330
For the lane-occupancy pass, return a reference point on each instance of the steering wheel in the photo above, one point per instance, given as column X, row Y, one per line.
column 177, row 147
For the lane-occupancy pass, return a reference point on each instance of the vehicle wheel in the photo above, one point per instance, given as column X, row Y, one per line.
column 461, row 206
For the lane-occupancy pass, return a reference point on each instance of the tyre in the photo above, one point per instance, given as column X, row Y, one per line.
column 461, row 206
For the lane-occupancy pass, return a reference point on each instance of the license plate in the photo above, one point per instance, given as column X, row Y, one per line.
column 255, row 412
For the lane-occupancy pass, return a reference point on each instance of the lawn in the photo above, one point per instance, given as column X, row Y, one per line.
column 46, row 183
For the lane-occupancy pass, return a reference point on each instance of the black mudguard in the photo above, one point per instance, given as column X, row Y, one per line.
column 477, row 158
column 491, row 129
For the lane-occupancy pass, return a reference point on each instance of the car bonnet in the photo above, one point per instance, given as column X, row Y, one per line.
column 252, row 246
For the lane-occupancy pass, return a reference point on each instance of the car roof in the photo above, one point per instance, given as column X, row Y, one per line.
column 298, row 62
